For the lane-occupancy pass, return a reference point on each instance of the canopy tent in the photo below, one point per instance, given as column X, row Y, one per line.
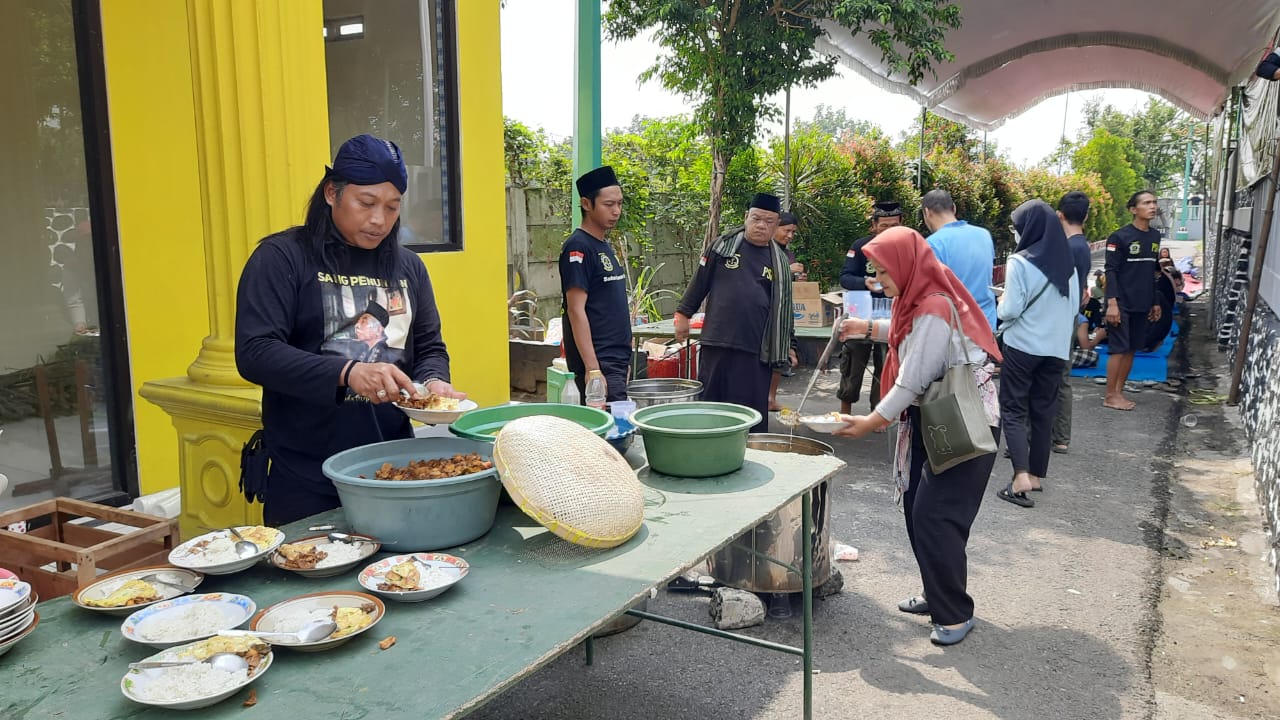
column 1010, row 56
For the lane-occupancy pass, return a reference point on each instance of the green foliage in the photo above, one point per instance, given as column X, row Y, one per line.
column 1159, row 134
column 729, row 59
column 835, row 122
column 881, row 172
column 1113, row 159
column 943, row 136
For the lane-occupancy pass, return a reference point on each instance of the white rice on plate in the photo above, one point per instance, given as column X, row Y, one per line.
column 187, row 682
column 220, row 551
column 292, row 619
column 191, row 621
column 338, row 553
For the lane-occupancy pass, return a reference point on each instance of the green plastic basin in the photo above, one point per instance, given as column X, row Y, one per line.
column 695, row 439
column 485, row 423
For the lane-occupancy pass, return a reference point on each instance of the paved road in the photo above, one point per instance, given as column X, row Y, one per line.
column 1065, row 603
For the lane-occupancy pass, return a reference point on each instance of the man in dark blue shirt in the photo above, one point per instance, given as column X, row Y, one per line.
column 1073, row 209
column 596, row 316
column 1269, row 68
column 856, row 354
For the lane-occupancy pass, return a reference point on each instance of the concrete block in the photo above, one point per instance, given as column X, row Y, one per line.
column 732, row 609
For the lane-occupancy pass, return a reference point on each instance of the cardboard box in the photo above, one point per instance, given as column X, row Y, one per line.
column 808, row 307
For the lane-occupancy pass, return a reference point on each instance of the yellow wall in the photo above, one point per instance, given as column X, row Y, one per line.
column 471, row 286
column 157, row 187
column 150, row 95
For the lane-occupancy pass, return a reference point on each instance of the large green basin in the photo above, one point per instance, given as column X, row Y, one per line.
column 695, row 439
column 485, row 424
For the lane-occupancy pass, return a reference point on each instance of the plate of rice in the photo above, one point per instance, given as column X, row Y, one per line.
column 187, row 618
column 414, row 577
column 198, row 685
column 354, row 612
column 214, row 552
column 433, row 409
column 126, row 592
column 316, row 556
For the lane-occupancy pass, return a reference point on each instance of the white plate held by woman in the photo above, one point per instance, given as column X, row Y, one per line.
column 827, row 423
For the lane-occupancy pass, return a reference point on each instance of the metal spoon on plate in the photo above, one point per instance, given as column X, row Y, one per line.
column 224, row 661
column 244, row 548
column 155, row 578
column 313, row 631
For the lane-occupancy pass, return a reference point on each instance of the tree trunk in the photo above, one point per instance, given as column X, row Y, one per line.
column 719, row 165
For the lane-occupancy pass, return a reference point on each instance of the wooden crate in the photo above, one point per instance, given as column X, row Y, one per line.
column 77, row 551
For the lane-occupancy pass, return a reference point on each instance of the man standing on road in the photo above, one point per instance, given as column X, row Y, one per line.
column 967, row 249
column 597, row 322
column 745, row 278
column 855, row 275
column 1073, row 209
column 786, row 232
column 1131, row 293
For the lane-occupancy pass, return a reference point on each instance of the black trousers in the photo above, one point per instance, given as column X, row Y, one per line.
column 734, row 376
column 853, row 364
column 290, row 497
column 1028, row 405
column 939, row 511
column 615, row 374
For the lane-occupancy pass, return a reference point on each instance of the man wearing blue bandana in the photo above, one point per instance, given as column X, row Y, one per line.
column 335, row 320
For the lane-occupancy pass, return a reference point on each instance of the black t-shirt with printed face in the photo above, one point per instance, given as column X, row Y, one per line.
column 591, row 265
column 1131, row 267
column 739, row 293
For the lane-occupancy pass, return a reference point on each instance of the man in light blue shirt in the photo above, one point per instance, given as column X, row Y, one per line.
column 967, row 249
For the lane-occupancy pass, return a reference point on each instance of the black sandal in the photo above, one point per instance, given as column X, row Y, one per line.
column 1017, row 498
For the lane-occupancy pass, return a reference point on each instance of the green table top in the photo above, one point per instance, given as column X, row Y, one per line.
column 667, row 328
column 529, row 597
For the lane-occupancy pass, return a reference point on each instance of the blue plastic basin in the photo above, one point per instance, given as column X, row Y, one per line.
column 415, row 515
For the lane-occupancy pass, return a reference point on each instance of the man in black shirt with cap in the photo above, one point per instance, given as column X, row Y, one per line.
column 855, row 276
column 745, row 278
column 1131, row 286
column 596, row 316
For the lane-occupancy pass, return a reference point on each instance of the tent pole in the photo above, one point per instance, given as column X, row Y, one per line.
column 924, row 119
column 786, row 155
column 1259, row 258
column 1227, row 207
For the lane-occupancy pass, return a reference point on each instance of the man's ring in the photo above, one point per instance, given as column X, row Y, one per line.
column 382, row 393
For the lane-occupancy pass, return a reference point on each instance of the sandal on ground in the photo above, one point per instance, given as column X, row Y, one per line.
column 1060, row 448
column 1017, row 498
column 915, row 606
column 950, row 636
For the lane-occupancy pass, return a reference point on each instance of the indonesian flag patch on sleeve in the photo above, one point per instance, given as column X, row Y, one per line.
column 1111, row 247
column 575, row 256
column 702, row 261
column 851, row 253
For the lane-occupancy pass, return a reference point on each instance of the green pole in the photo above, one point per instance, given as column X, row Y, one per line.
column 586, row 104
column 1181, row 234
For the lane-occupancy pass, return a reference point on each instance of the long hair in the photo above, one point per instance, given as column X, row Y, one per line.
column 325, row 243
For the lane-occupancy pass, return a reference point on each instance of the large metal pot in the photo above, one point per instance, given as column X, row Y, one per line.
column 779, row 536
column 659, row 391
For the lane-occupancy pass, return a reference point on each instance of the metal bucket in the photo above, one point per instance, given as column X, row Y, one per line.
column 659, row 391
column 779, row 536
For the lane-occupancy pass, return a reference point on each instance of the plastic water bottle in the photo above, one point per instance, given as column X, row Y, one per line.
column 595, row 391
column 570, row 395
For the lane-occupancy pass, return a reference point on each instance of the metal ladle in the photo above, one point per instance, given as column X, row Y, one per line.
column 243, row 548
column 224, row 661
column 313, row 631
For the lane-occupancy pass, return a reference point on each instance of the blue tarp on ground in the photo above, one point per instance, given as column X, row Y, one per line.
column 1152, row 366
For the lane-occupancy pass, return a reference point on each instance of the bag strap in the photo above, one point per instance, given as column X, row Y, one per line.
column 954, row 325
column 1026, row 307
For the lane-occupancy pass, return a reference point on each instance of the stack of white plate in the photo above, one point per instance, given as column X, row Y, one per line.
column 17, row 612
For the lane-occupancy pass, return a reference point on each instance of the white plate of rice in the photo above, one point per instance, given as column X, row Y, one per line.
column 290, row 615
column 214, row 552
column 188, row 618
column 339, row 557
column 190, row 686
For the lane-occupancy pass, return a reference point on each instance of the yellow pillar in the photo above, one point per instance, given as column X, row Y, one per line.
column 261, row 131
